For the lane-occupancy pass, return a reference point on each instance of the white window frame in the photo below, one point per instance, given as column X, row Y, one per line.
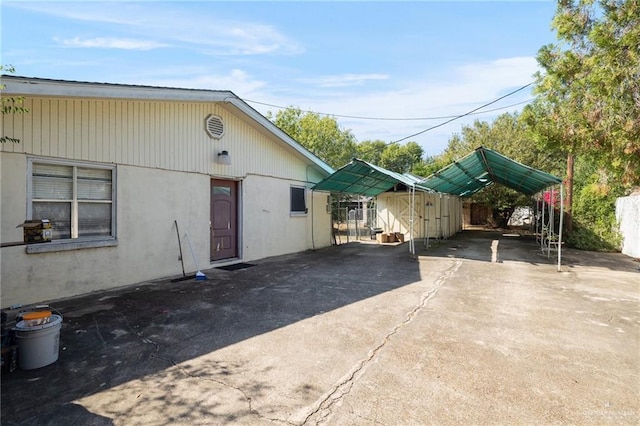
column 75, row 242
column 298, row 212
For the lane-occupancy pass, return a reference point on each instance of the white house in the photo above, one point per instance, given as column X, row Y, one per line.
column 116, row 167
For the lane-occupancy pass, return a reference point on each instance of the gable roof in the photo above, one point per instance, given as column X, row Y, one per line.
column 362, row 178
column 25, row 86
column 484, row 167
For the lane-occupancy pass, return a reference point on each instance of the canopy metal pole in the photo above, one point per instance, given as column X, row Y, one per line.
column 560, row 230
column 438, row 218
column 413, row 208
column 428, row 204
column 346, row 219
column 552, row 221
column 543, row 227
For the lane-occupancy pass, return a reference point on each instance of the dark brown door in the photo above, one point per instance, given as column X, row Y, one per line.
column 224, row 219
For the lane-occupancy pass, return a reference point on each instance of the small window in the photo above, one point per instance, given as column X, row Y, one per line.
column 298, row 202
column 77, row 198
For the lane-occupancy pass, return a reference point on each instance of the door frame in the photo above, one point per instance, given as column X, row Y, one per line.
column 239, row 223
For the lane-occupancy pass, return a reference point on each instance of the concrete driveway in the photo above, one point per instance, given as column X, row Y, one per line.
column 480, row 329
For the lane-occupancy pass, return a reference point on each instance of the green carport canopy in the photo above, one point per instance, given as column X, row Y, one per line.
column 362, row 178
column 483, row 167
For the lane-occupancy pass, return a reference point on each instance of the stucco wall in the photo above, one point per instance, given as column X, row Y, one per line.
column 269, row 229
column 164, row 165
column 147, row 203
column 628, row 215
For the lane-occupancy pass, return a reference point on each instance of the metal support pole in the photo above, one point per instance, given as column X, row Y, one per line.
column 346, row 219
column 428, row 203
column 560, row 230
column 552, row 222
column 413, row 208
column 543, row 228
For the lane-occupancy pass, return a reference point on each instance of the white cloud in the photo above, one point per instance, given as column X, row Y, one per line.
column 113, row 43
column 237, row 81
column 343, row 80
column 173, row 24
column 463, row 88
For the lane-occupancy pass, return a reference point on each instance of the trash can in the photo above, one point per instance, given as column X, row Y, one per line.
column 38, row 340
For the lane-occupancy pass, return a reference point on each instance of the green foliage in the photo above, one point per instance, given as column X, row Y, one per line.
column 588, row 105
column 589, row 93
column 394, row 157
column 324, row 137
column 10, row 104
column 511, row 136
column 371, row 151
column 595, row 225
column 401, row 158
column 429, row 166
column 320, row 135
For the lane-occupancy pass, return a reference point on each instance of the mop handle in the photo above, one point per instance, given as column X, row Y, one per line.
column 191, row 249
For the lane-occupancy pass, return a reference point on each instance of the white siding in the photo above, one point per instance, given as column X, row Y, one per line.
column 164, row 135
column 444, row 214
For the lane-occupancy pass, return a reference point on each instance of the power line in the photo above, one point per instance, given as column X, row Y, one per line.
column 396, row 119
column 462, row 115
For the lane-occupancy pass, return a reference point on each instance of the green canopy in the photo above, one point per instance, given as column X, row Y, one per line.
column 483, row 167
column 362, row 178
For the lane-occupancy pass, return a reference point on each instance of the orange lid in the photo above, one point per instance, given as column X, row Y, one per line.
column 36, row 315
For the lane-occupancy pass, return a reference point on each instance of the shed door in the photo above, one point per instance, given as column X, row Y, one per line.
column 224, row 219
column 404, row 214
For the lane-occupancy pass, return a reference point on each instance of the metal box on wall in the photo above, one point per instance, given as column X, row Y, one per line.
column 37, row 231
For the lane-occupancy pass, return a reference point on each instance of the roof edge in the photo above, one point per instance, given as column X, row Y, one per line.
column 18, row 85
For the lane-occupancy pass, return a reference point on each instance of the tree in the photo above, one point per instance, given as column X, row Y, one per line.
column 589, row 92
column 10, row 104
column 371, row 151
column 429, row 165
column 320, row 135
column 588, row 107
column 509, row 135
column 401, row 158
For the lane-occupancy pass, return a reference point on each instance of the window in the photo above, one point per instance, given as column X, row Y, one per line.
column 298, row 203
column 77, row 198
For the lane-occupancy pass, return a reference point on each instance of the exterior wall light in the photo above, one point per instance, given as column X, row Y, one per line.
column 224, row 158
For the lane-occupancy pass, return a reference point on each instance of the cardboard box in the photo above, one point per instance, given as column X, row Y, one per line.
column 37, row 231
column 399, row 237
column 385, row 237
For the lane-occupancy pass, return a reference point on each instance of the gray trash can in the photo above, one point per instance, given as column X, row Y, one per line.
column 38, row 345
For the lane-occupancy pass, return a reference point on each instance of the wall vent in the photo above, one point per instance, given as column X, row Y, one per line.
column 214, row 126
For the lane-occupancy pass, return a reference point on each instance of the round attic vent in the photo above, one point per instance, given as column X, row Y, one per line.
column 214, row 126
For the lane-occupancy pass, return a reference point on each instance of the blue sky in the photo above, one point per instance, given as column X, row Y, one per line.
column 366, row 59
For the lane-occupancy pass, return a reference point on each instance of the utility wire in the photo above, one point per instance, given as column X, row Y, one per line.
column 463, row 115
column 395, row 119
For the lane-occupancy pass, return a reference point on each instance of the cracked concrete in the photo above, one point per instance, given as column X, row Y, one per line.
column 324, row 410
column 359, row 334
